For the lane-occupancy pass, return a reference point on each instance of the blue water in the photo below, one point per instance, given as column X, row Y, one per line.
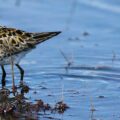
column 95, row 58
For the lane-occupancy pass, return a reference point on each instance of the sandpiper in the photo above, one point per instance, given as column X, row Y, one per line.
column 15, row 44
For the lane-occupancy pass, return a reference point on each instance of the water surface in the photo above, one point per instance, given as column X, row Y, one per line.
column 90, row 41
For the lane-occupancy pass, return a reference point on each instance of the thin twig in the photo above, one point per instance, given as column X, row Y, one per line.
column 92, row 109
column 68, row 60
column 12, row 68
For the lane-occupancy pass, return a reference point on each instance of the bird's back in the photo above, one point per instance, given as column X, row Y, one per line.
column 14, row 41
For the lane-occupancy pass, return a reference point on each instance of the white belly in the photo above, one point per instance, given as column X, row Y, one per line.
column 16, row 58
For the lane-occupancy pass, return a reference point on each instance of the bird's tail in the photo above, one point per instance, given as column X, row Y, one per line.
column 41, row 37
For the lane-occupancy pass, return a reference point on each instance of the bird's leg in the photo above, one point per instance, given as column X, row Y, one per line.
column 3, row 76
column 21, row 72
column 13, row 81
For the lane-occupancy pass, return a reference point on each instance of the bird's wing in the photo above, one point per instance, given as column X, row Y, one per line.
column 13, row 41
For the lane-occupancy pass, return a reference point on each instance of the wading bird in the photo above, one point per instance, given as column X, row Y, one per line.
column 15, row 44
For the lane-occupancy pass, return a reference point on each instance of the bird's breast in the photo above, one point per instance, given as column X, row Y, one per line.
column 16, row 58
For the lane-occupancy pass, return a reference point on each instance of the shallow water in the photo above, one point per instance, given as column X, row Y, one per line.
column 94, row 74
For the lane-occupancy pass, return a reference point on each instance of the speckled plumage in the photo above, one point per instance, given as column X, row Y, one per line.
column 17, row 43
